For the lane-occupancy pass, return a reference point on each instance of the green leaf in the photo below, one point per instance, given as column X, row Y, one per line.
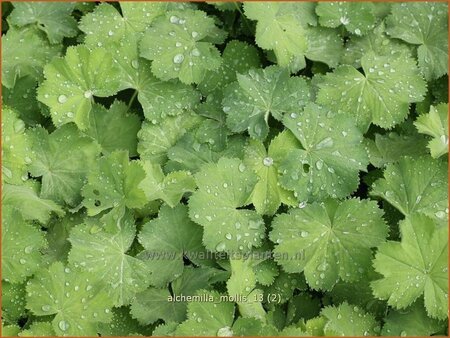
column 347, row 320
column 324, row 45
column 357, row 18
column 21, row 245
column 238, row 57
column 330, row 159
column 388, row 148
column 54, row 18
column 122, row 324
column 423, row 24
column 268, row 194
column 242, row 287
column 114, row 128
column 281, row 27
column 376, row 41
column 105, row 254
column 10, row 330
column 329, row 241
column 435, row 124
column 216, row 317
column 63, row 159
column 106, row 25
column 114, row 183
column 285, row 285
column 223, row 188
column 153, row 304
column 37, row 208
column 380, row 95
column 71, row 83
column 13, row 301
column 22, row 99
column 260, row 93
column 411, row 322
column 24, row 52
column 156, row 139
column 15, row 148
column 165, row 41
column 167, row 240
column 416, row 185
column 38, row 329
column 416, row 266
column 77, row 303
column 169, row 188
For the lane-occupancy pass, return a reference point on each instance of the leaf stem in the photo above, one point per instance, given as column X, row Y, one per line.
column 132, row 100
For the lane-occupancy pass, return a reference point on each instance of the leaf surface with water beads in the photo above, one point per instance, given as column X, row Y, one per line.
column 435, row 124
column 179, row 45
column 357, row 18
column 331, row 157
column 114, row 183
column 54, row 18
column 268, row 194
column 15, row 148
column 416, row 266
column 95, row 250
column 424, row 24
column 250, row 100
column 71, row 82
column 167, row 240
column 381, row 95
column 281, row 27
column 63, row 159
column 348, row 320
column 21, row 245
column 336, row 238
column 24, row 52
column 224, row 188
column 208, row 318
column 416, row 185
column 77, row 302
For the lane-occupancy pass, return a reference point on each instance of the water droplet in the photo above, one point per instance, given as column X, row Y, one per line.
column 440, row 214
column 304, row 234
column 242, row 167
column 22, row 261
column 19, row 126
column 225, row 332
column 194, row 34
column 63, row 325
column 195, row 52
column 221, row 246
column 69, row 114
column 225, row 185
column 268, row 161
column 178, row 58
column 174, row 19
column 62, row 99
column 325, row 143
column 28, row 249
column 135, row 64
column 228, row 236
column 301, row 205
column 110, row 33
column 45, row 308
column 87, row 94
column 319, row 164
column 237, row 225
column 66, row 270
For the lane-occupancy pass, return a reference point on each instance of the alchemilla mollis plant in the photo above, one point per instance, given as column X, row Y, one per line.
column 224, row 169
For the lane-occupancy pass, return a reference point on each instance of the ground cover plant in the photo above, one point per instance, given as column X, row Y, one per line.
column 219, row 169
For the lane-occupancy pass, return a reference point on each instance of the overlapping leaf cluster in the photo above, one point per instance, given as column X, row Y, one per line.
column 285, row 161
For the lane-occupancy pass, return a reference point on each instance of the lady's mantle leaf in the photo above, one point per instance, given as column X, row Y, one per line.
column 72, row 81
column 424, row 24
column 21, row 245
column 24, row 52
column 329, row 241
column 77, row 302
column 268, row 194
column 15, row 148
column 114, row 183
column 381, row 95
column 416, row 185
column 52, row 17
column 63, row 159
column 435, row 124
column 208, row 318
column 416, row 266
column 357, row 18
column 224, row 188
column 114, row 128
column 105, row 254
column 249, row 101
column 167, row 240
column 347, row 320
column 178, row 43
column 331, row 158
column 281, row 27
